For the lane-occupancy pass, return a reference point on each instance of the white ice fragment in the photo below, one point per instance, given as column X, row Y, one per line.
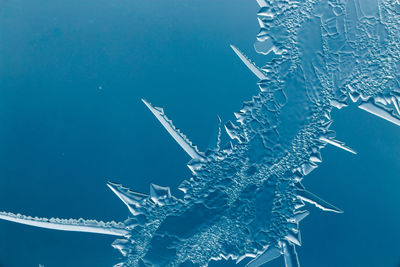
column 294, row 239
column 381, row 100
column 232, row 131
column 380, row 112
column 309, row 197
column 299, row 216
column 159, row 193
column 337, row 144
column 262, row 35
column 290, row 255
column 260, row 22
column 180, row 138
column 354, row 96
column 265, row 13
column 67, row 225
column 246, row 255
column 252, row 67
column 396, row 105
column 306, row 168
column 299, row 205
column 270, row 254
column 262, row 3
column 127, row 196
column 337, row 104
column 122, row 246
column 239, row 117
column 316, row 157
column 194, row 165
column 265, row 47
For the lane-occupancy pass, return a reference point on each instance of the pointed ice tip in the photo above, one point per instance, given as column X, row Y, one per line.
column 290, row 255
column 178, row 136
column 159, row 193
column 146, row 103
column 252, row 67
column 111, row 185
column 127, row 196
column 337, row 144
column 271, row 253
column 379, row 111
column 293, row 239
column 81, row 225
column 122, row 245
column 218, row 143
column 311, row 198
column 262, row 3
column 299, row 216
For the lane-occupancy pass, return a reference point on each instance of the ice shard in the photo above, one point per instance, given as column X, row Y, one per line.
column 271, row 253
column 159, row 194
column 219, row 134
column 299, row 216
column 315, row 200
column 380, row 112
column 396, row 104
column 290, row 255
column 337, row 144
column 294, row 239
column 252, row 67
column 262, row 3
column 87, row 226
column 130, row 198
column 180, row 138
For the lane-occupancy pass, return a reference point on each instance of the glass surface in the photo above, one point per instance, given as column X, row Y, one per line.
column 72, row 75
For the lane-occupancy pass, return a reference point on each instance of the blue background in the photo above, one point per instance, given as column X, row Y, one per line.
column 62, row 138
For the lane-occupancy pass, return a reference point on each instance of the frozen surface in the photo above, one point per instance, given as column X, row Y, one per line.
column 245, row 197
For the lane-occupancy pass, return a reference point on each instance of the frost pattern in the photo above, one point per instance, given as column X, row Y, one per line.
column 245, row 197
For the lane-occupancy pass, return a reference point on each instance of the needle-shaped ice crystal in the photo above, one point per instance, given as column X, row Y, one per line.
column 180, row 138
column 337, row 144
column 252, row 67
column 87, row 226
column 380, row 112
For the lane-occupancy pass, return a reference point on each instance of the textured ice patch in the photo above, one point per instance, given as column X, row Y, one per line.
column 245, row 197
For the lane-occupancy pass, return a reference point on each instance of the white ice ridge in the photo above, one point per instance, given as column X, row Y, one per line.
column 87, row 226
column 256, row 70
column 130, row 198
column 271, row 253
column 396, row 104
column 262, row 3
column 311, row 198
column 219, row 134
column 338, row 144
column 290, row 255
column 179, row 137
column 380, row 112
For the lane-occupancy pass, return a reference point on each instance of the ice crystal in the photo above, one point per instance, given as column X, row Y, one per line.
column 245, row 198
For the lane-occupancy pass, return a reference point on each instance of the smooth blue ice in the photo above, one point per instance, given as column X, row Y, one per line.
column 245, row 197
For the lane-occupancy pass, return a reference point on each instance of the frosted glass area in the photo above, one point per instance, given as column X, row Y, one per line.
column 245, row 197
